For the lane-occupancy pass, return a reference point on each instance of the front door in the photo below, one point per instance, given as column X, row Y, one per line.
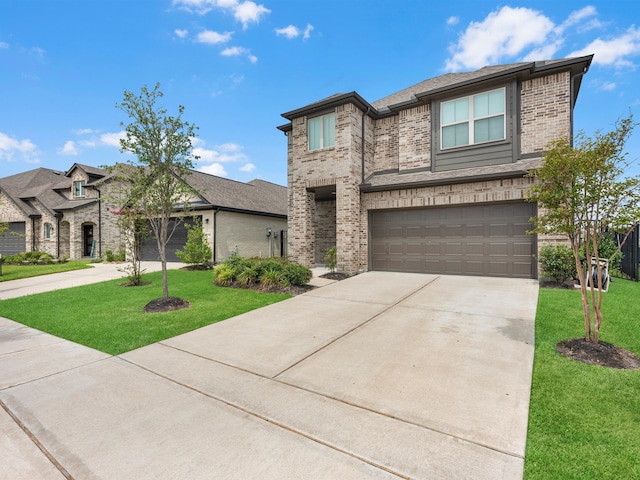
column 87, row 234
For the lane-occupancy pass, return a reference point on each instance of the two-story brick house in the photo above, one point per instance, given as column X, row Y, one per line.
column 432, row 178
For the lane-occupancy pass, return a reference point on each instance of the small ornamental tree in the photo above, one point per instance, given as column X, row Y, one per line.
column 197, row 250
column 163, row 149
column 136, row 231
column 582, row 194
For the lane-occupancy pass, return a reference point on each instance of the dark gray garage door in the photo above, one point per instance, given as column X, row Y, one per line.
column 179, row 238
column 488, row 240
column 13, row 240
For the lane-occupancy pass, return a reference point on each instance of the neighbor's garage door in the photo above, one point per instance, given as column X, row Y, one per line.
column 177, row 242
column 488, row 240
column 13, row 240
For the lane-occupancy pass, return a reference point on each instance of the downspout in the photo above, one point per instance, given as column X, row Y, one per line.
column 215, row 233
column 58, row 216
column 33, row 234
column 364, row 115
column 99, row 223
column 572, row 99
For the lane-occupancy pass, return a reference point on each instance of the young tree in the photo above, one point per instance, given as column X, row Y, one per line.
column 162, row 145
column 582, row 194
column 197, row 250
column 134, row 225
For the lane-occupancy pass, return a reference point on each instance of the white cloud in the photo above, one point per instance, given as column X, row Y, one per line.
column 69, row 148
column 214, row 169
column 4, row 45
column 84, row 131
column 238, row 51
column 307, row 31
column 245, row 12
column 613, row 51
column 453, row 21
column 225, row 153
column 112, row 139
column 181, row 33
column 37, row 52
column 249, row 12
column 249, row 167
column 12, row 149
column 499, row 35
column 290, row 32
column 213, row 38
column 608, row 86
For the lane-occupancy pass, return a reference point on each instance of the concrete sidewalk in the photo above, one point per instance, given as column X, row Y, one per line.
column 99, row 272
column 383, row 375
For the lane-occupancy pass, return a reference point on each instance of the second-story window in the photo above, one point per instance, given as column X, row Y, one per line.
column 78, row 189
column 473, row 119
column 322, row 131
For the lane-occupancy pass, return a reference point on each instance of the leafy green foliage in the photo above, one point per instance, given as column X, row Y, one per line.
column 582, row 194
column 266, row 272
column 29, row 257
column 163, row 149
column 331, row 258
column 196, row 250
column 557, row 262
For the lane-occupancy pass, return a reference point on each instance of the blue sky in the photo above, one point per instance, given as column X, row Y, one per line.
column 236, row 65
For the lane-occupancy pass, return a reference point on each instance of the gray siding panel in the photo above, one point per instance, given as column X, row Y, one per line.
column 14, row 240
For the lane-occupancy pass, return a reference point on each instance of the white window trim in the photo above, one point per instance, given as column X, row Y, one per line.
column 471, row 120
column 321, row 119
column 83, row 189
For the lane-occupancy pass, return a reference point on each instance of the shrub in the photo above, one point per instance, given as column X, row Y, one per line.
column 558, row 263
column 331, row 258
column 224, row 275
column 197, row 250
column 109, row 255
column 296, row 274
column 266, row 272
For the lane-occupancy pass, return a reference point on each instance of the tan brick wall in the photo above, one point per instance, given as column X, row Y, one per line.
column 386, row 144
column 546, row 111
column 414, row 127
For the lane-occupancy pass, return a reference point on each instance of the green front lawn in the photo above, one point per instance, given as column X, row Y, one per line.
column 584, row 420
column 109, row 317
column 14, row 272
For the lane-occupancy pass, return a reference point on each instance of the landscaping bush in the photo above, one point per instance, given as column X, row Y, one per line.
column 29, row 257
column 197, row 250
column 266, row 272
column 558, row 263
column 331, row 259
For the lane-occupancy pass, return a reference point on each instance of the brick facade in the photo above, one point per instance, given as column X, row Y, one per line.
column 398, row 148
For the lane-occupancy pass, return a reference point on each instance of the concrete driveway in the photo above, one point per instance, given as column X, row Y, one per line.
column 383, row 375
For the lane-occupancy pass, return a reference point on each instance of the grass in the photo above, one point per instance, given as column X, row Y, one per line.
column 584, row 420
column 14, row 272
column 110, row 318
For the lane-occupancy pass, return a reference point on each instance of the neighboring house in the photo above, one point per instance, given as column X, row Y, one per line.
column 67, row 214
column 432, row 178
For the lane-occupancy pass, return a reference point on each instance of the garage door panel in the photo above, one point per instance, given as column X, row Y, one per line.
column 14, row 240
column 468, row 240
column 177, row 242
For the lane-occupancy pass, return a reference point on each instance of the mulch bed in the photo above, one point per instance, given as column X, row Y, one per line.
column 335, row 276
column 601, row 353
column 166, row 305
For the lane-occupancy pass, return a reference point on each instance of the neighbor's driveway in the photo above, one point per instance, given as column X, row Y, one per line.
column 383, row 375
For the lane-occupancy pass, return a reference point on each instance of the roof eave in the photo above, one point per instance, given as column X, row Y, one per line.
column 351, row 97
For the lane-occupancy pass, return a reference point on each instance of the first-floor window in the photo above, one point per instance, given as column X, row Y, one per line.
column 474, row 119
column 322, row 131
column 47, row 230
